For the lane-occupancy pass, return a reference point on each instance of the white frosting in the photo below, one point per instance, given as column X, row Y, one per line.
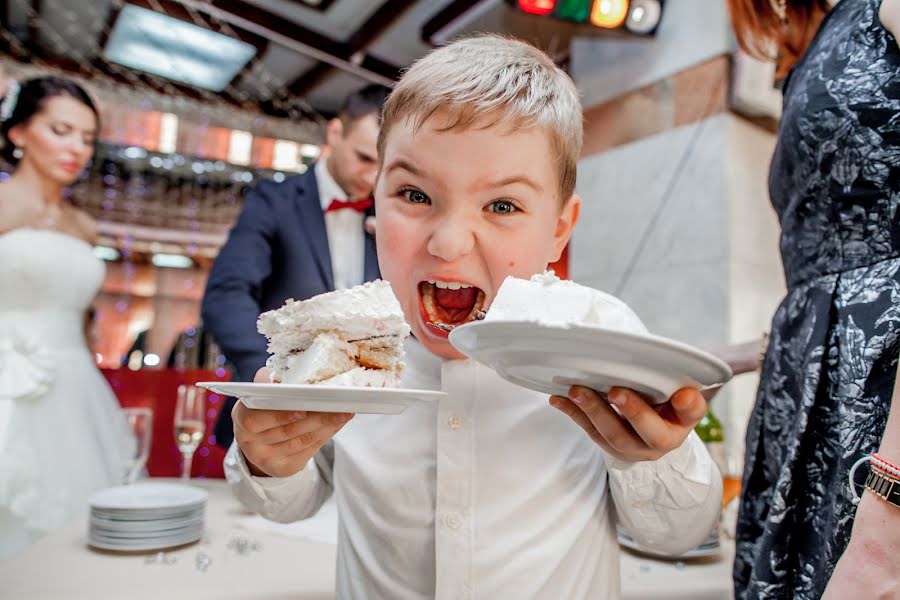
column 360, row 312
column 326, row 339
column 362, row 377
column 549, row 300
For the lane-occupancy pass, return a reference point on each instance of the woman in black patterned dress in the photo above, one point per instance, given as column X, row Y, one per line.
column 826, row 381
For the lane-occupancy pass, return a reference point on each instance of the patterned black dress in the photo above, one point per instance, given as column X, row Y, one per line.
column 826, row 381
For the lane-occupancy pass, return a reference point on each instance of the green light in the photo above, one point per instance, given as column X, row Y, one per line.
column 574, row 10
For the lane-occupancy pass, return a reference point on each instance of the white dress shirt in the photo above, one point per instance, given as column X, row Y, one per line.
column 489, row 493
column 346, row 235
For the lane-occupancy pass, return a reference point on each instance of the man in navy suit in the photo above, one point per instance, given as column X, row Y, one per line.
column 296, row 239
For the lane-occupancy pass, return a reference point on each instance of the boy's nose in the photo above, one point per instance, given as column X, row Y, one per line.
column 451, row 239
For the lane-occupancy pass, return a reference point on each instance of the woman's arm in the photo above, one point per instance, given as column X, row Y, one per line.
column 890, row 17
column 870, row 567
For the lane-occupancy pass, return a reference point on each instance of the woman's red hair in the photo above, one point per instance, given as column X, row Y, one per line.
column 762, row 34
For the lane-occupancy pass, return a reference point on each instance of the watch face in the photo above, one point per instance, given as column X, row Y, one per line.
column 884, row 487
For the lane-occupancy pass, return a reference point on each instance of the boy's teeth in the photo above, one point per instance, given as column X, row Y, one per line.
column 449, row 285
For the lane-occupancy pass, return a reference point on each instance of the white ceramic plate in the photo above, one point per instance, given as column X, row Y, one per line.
column 152, row 518
column 710, row 547
column 550, row 359
column 143, row 535
column 142, row 545
column 148, row 498
column 323, row 398
column 143, row 516
column 135, row 527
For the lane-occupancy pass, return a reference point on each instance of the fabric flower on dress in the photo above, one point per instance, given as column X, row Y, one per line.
column 27, row 368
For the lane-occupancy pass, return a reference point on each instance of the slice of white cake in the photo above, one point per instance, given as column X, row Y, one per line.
column 549, row 300
column 350, row 337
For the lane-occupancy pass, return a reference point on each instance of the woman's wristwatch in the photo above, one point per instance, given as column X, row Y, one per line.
column 884, row 486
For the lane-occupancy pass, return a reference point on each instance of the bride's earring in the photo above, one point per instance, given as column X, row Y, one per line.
column 18, row 153
column 780, row 9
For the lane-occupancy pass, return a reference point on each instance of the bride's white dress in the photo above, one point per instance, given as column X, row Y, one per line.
column 62, row 433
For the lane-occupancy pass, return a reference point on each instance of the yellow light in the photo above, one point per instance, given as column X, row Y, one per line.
column 609, row 13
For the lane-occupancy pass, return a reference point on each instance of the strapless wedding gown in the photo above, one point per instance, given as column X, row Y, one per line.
column 62, row 433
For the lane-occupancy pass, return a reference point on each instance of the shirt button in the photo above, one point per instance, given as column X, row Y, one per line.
column 452, row 520
column 454, row 422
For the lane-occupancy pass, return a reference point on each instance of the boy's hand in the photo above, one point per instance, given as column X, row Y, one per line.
column 642, row 432
column 279, row 443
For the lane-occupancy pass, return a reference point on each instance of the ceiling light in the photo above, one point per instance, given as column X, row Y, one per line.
column 609, row 13
column 285, row 155
column 172, row 261
column 240, row 147
column 644, row 16
column 537, row 7
column 106, row 253
column 162, row 45
column 168, row 133
column 310, row 151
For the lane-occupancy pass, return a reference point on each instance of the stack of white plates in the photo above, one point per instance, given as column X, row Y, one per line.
column 146, row 516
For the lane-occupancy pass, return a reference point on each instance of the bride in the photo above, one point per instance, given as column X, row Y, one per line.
column 62, row 434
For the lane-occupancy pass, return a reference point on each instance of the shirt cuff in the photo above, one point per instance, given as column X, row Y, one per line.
column 266, row 494
column 679, row 479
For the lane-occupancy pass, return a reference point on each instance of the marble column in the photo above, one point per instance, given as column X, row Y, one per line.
column 678, row 224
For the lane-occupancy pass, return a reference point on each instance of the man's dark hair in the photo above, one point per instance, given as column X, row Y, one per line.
column 362, row 103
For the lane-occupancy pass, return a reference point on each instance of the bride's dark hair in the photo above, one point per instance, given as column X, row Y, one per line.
column 32, row 96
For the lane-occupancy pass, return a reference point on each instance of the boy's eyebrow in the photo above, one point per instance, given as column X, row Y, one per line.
column 523, row 179
column 405, row 165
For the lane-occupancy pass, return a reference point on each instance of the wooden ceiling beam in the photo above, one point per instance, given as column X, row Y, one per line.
column 374, row 27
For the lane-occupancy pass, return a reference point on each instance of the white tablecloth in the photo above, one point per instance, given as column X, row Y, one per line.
column 296, row 562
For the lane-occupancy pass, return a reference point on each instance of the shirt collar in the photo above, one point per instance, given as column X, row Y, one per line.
column 328, row 187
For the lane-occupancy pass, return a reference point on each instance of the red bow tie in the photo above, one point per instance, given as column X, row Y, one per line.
column 358, row 205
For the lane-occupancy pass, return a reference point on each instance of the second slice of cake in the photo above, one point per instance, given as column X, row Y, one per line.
column 351, row 337
column 549, row 300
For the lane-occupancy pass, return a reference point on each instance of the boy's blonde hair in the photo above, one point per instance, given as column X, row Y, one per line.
column 492, row 80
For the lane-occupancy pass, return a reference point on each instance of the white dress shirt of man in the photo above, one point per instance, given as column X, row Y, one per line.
column 489, row 493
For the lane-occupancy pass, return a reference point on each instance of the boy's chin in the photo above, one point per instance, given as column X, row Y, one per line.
column 439, row 347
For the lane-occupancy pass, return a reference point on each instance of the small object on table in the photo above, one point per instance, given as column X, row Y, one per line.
column 242, row 545
column 161, row 558
column 202, row 562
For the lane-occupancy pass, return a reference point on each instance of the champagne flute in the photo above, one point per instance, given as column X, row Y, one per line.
column 190, row 423
column 140, row 421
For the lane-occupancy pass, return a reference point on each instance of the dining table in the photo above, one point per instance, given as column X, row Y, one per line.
column 241, row 555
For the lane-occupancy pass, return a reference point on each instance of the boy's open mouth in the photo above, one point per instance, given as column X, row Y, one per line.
column 445, row 305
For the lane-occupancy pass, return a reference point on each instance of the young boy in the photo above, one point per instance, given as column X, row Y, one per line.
column 489, row 493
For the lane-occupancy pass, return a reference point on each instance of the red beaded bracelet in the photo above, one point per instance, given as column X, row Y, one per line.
column 888, row 467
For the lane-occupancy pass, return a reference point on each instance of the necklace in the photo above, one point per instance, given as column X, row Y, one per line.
column 50, row 216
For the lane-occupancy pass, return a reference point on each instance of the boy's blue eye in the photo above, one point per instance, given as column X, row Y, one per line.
column 502, row 207
column 416, row 197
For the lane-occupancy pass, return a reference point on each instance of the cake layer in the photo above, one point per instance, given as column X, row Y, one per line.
column 350, row 337
column 549, row 300
column 365, row 311
column 327, row 357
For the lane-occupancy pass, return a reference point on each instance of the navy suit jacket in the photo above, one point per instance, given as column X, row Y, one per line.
column 278, row 249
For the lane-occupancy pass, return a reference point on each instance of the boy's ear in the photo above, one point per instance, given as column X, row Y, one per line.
column 334, row 131
column 568, row 218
